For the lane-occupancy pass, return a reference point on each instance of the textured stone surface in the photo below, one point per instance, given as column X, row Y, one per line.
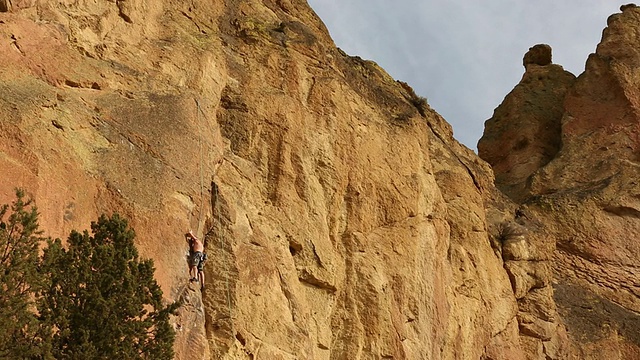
column 524, row 133
column 539, row 54
column 585, row 195
column 341, row 218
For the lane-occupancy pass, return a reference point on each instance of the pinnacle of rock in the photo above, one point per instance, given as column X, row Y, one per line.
column 539, row 54
column 568, row 150
column 627, row 6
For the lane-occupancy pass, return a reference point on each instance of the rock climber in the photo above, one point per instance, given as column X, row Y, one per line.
column 196, row 259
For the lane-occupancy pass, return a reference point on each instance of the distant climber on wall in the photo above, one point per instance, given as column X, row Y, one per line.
column 196, row 259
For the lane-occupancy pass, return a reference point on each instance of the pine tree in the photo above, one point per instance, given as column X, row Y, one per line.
column 102, row 299
column 19, row 279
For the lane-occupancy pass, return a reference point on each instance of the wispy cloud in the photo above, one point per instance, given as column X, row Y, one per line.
column 464, row 55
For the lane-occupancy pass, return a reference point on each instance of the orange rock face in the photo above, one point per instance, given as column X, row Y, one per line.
column 341, row 218
column 585, row 193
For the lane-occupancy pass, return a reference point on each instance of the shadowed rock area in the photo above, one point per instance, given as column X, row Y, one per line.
column 537, row 55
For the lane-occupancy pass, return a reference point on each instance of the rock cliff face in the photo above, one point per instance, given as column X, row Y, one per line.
column 341, row 218
column 576, row 170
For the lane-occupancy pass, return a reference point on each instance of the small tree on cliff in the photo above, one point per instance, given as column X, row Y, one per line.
column 19, row 279
column 102, row 299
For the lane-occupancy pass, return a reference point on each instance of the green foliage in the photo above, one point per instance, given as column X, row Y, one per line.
column 19, row 242
column 102, row 299
column 94, row 299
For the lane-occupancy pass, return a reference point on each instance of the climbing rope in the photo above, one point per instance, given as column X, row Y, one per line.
column 216, row 201
column 201, row 158
column 221, row 236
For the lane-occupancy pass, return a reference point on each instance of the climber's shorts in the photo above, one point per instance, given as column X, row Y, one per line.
column 197, row 259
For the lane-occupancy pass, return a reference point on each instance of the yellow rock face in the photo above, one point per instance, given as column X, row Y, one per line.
column 341, row 218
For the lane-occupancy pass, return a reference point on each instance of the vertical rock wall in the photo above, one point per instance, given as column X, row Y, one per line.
column 585, row 194
column 341, row 218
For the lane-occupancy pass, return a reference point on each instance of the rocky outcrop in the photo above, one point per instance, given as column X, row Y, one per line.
column 539, row 54
column 524, row 133
column 585, row 191
column 341, row 218
column 527, row 251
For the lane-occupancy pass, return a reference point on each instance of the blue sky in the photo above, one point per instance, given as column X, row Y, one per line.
column 464, row 56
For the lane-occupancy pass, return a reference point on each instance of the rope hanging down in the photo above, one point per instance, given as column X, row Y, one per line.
column 216, row 201
column 201, row 158
column 221, row 237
